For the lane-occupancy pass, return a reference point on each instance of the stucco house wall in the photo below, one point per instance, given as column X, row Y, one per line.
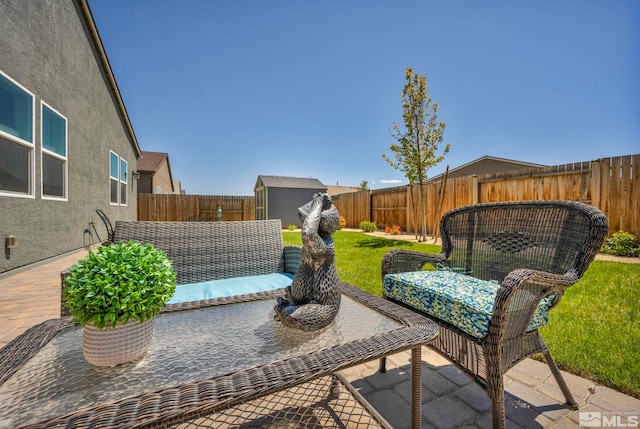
column 48, row 49
column 162, row 179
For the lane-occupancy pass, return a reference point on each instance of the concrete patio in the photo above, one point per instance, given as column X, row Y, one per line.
column 450, row 399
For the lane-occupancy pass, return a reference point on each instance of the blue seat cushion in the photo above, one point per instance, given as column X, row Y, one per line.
column 461, row 300
column 230, row 287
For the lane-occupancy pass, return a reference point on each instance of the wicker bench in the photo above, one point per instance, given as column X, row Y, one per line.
column 205, row 254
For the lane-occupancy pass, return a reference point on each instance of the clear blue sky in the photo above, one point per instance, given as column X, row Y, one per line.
column 235, row 89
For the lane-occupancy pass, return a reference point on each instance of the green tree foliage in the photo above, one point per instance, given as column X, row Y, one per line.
column 364, row 186
column 416, row 148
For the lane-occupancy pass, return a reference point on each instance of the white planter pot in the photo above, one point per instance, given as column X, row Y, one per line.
column 114, row 346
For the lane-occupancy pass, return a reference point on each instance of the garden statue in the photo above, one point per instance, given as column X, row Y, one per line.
column 313, row 299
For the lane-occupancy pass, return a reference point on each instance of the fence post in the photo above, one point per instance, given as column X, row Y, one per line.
column 474, row 190
column 595, row 183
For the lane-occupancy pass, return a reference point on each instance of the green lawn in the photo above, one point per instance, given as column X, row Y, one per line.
column 594, row 332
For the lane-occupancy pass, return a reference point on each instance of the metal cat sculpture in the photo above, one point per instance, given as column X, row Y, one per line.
column 313, row 299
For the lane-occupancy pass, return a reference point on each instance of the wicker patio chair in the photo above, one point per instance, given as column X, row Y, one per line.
column 502, row 267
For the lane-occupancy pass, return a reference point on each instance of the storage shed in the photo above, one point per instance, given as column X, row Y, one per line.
column 278, row 197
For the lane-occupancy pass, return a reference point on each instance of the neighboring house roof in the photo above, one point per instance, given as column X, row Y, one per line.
column 289, row 182
column 177, row 187
column 150, row 162
column 111, row 80
column 487, row 165
column 337, row 190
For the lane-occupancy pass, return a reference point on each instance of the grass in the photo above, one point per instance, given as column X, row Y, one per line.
column 594, row 332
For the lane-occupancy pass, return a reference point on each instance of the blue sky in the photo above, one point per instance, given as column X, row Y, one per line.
column 235, row 89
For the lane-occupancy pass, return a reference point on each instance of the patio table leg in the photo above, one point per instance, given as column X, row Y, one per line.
column 416, row 387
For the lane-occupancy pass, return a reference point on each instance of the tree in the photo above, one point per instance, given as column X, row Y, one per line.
column 364, row 186
column 415, row 152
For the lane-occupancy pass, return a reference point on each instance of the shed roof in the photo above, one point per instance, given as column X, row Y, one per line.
column 289, row 182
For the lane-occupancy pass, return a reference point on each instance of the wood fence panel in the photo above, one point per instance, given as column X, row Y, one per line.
column 600, row 170
column 437, row 198
column 625, row 190
column 594, row 185
column 614, row 194
column 570, row 185
column 412, row 212
column 610, row 184
column 389, row 208
column 412, row 208
column 621, row 194
column 634, row 193
column 355, row 207
column 176, row 207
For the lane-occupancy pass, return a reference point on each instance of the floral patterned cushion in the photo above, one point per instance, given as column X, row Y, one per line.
column 461, row 300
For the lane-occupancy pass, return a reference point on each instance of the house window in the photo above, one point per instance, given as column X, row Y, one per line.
column 54, row 154
column 123, row 182
column 16, row 139
column 118, row 179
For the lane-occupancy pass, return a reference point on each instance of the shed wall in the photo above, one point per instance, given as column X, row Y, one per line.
column 283, row 203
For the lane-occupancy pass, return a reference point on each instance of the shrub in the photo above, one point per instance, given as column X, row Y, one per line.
column 367, row 226
column 292, row 227
column 393, row 229
column 343, row 222
column 622, row 244
column 119, row 283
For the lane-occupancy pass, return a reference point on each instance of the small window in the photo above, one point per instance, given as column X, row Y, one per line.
column 16, row 139
column 123, row 182
column 117, row 179
column 54, row 154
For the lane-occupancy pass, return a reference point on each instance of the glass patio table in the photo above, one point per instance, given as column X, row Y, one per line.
column 223, row 362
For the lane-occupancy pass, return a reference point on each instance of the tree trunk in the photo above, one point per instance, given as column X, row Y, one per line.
column 423, row 236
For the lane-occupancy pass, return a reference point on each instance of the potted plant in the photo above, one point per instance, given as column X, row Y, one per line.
column 115, row 292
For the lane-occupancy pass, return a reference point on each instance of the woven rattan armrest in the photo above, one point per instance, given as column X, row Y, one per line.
column 402, row 260
column 292, row 258
column 519, row 296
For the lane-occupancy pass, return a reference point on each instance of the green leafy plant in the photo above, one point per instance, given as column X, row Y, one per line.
column 292, row 227
column 368, row 226
column 119, row 283
column 622, row 244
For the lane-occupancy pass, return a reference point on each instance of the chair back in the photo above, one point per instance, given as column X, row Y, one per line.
column 490, row 240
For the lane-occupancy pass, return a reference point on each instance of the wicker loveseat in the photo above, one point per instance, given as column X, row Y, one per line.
column 216, row 259
column 503, row 266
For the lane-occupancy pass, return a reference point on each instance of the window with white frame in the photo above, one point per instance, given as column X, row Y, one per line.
column 117, row 179
column 123, row 182
column 54, row 153
column 17, row 159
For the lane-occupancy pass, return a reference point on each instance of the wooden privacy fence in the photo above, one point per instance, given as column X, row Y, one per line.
column 175, row 207
column 610, row 184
